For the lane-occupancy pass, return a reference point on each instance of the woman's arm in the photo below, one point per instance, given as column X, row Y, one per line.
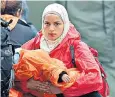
column 90, row 77
column 45, row 87
column 38, row 86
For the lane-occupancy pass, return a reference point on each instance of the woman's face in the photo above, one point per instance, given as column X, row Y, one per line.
column 53, row 26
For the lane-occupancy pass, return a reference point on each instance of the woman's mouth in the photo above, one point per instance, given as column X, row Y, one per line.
column 52, row 34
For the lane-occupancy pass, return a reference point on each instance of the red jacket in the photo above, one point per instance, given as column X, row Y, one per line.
column 90, row 79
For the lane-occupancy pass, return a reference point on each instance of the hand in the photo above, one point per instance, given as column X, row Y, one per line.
column 55, row 90
column 66, row 78
column 46, row 87
column 38, row 86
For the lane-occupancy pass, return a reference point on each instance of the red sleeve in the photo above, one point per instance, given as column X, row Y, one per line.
column 29, row 45
column 90, row 79
column 33, row 43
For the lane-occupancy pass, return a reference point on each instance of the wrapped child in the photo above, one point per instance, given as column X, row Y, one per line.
column 39, row 65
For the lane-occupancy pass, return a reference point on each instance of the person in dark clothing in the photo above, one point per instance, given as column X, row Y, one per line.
column 20, row 31
column 25, row 14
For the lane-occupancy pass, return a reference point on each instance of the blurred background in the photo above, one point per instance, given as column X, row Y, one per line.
column 95, row 20
column 35, row 11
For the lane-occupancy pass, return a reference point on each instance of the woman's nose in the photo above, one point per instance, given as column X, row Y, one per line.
column 52, row 27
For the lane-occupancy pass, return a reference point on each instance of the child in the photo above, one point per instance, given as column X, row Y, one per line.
column 39, row 65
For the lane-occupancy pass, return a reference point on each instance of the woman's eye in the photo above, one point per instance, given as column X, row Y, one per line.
column 56, row 24
column 47, row 24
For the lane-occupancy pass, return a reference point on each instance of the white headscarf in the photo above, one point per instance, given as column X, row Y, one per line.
column 49, row 45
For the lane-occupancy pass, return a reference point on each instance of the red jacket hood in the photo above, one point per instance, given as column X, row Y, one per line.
column 72, row 34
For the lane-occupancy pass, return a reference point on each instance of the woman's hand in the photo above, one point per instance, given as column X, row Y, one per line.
column 55, row 90
column 38, row 86
column 45, row 87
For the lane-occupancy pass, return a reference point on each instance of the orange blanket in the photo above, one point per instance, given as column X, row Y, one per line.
column 39, row 65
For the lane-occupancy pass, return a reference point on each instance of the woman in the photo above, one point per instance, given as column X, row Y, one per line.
column 56, row 37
